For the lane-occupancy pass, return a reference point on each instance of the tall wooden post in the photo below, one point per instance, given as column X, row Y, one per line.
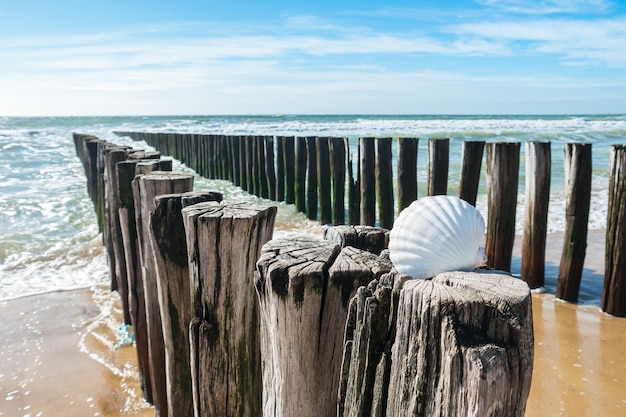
column 311, row 187
column 263, row 178
column 280, row 169
column 338, row 156
column 224, row 242
column 145, row 189
column 407, row 172
column 300, row 174
column 126, row 172
column 323, row 180
column 384, row 182
column 538, row 167
column 304, row 286
column 291, row 180
column 169, row 249
column 354, row 188
column 502, row 185
column 270, row 173
column 614, row 290
column 470, row 170
column 367, row 179
column 440, row 347
column 578, row 170
column 438, row 162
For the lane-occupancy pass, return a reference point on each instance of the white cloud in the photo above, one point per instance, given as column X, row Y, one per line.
column 595, row 42
column 545, row 7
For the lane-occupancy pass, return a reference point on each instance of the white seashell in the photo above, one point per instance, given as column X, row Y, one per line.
column 437, row 234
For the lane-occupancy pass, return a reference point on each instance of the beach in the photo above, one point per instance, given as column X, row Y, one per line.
column 60, row 322
column 59, row 355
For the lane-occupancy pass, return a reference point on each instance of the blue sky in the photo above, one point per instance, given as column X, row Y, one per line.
column 154, row 57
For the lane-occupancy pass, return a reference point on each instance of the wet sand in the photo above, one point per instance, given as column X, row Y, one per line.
column 58, row 355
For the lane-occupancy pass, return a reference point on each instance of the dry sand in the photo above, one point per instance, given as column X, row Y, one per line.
column 58, row 356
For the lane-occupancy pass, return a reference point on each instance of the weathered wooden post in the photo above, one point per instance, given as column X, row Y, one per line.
column 145, row 189
column 169, row 249
column 459, row 344
column 367, row 180
column 578, row 170
column 538, row 167
column 338, row 157
column 263, row 177
column 311, row 177
column 407, row 172
column 368, row 238
column 270, row 173
column 224, row 242
column 304, row 286
column 438, row 162
column 126, row 171
column 470, row 170
column 280, row 169
column 354, row 188
column 291, row 182
column 384, row 182
column 614, row 290
column 300, row 174
column 323, row 179
column 236, row 167
column 502, row 184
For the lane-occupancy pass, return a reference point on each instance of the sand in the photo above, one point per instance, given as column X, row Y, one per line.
column 58, row 355
column 58, row 358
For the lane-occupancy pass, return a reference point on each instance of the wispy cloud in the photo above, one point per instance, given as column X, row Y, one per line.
column 546, row 7
column 591, row 42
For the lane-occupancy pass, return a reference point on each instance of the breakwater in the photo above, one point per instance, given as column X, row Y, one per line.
column 256, row 307
column 316, row 174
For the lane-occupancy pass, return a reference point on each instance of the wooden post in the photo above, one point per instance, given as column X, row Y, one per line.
column 536, row 213
column 323, row 180
column 169, row 248
column 311, row 186
column 262, row 174
column 470, row 170
column 438, row 161
column 578, row 170
column 367, row 180
column 292, row 169
column 145, row 189
column 270, row 173
column 368, row 238
column 407, row 172
column 249, row 164
column 116, row 233
column 280, row 169
column 459, row 344
column 614, row 290
column 304, row 286
column 338, row 156
column 384, row 182
column 300, row 175
column 354, row 188
column 502, row 184
column 236, row 160
column 224, row 242
column 125, row 174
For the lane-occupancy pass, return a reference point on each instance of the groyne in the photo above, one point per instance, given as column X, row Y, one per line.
column 317, row 175
column 232, row 322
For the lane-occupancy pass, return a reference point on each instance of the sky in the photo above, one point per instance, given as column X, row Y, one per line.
column 203, row 57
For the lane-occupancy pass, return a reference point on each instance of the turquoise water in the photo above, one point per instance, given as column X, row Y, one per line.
column 48, row 233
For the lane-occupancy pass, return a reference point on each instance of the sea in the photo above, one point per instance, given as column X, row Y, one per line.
column 49, row 240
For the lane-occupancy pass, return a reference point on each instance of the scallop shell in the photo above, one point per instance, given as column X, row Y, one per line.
column 437, row 234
